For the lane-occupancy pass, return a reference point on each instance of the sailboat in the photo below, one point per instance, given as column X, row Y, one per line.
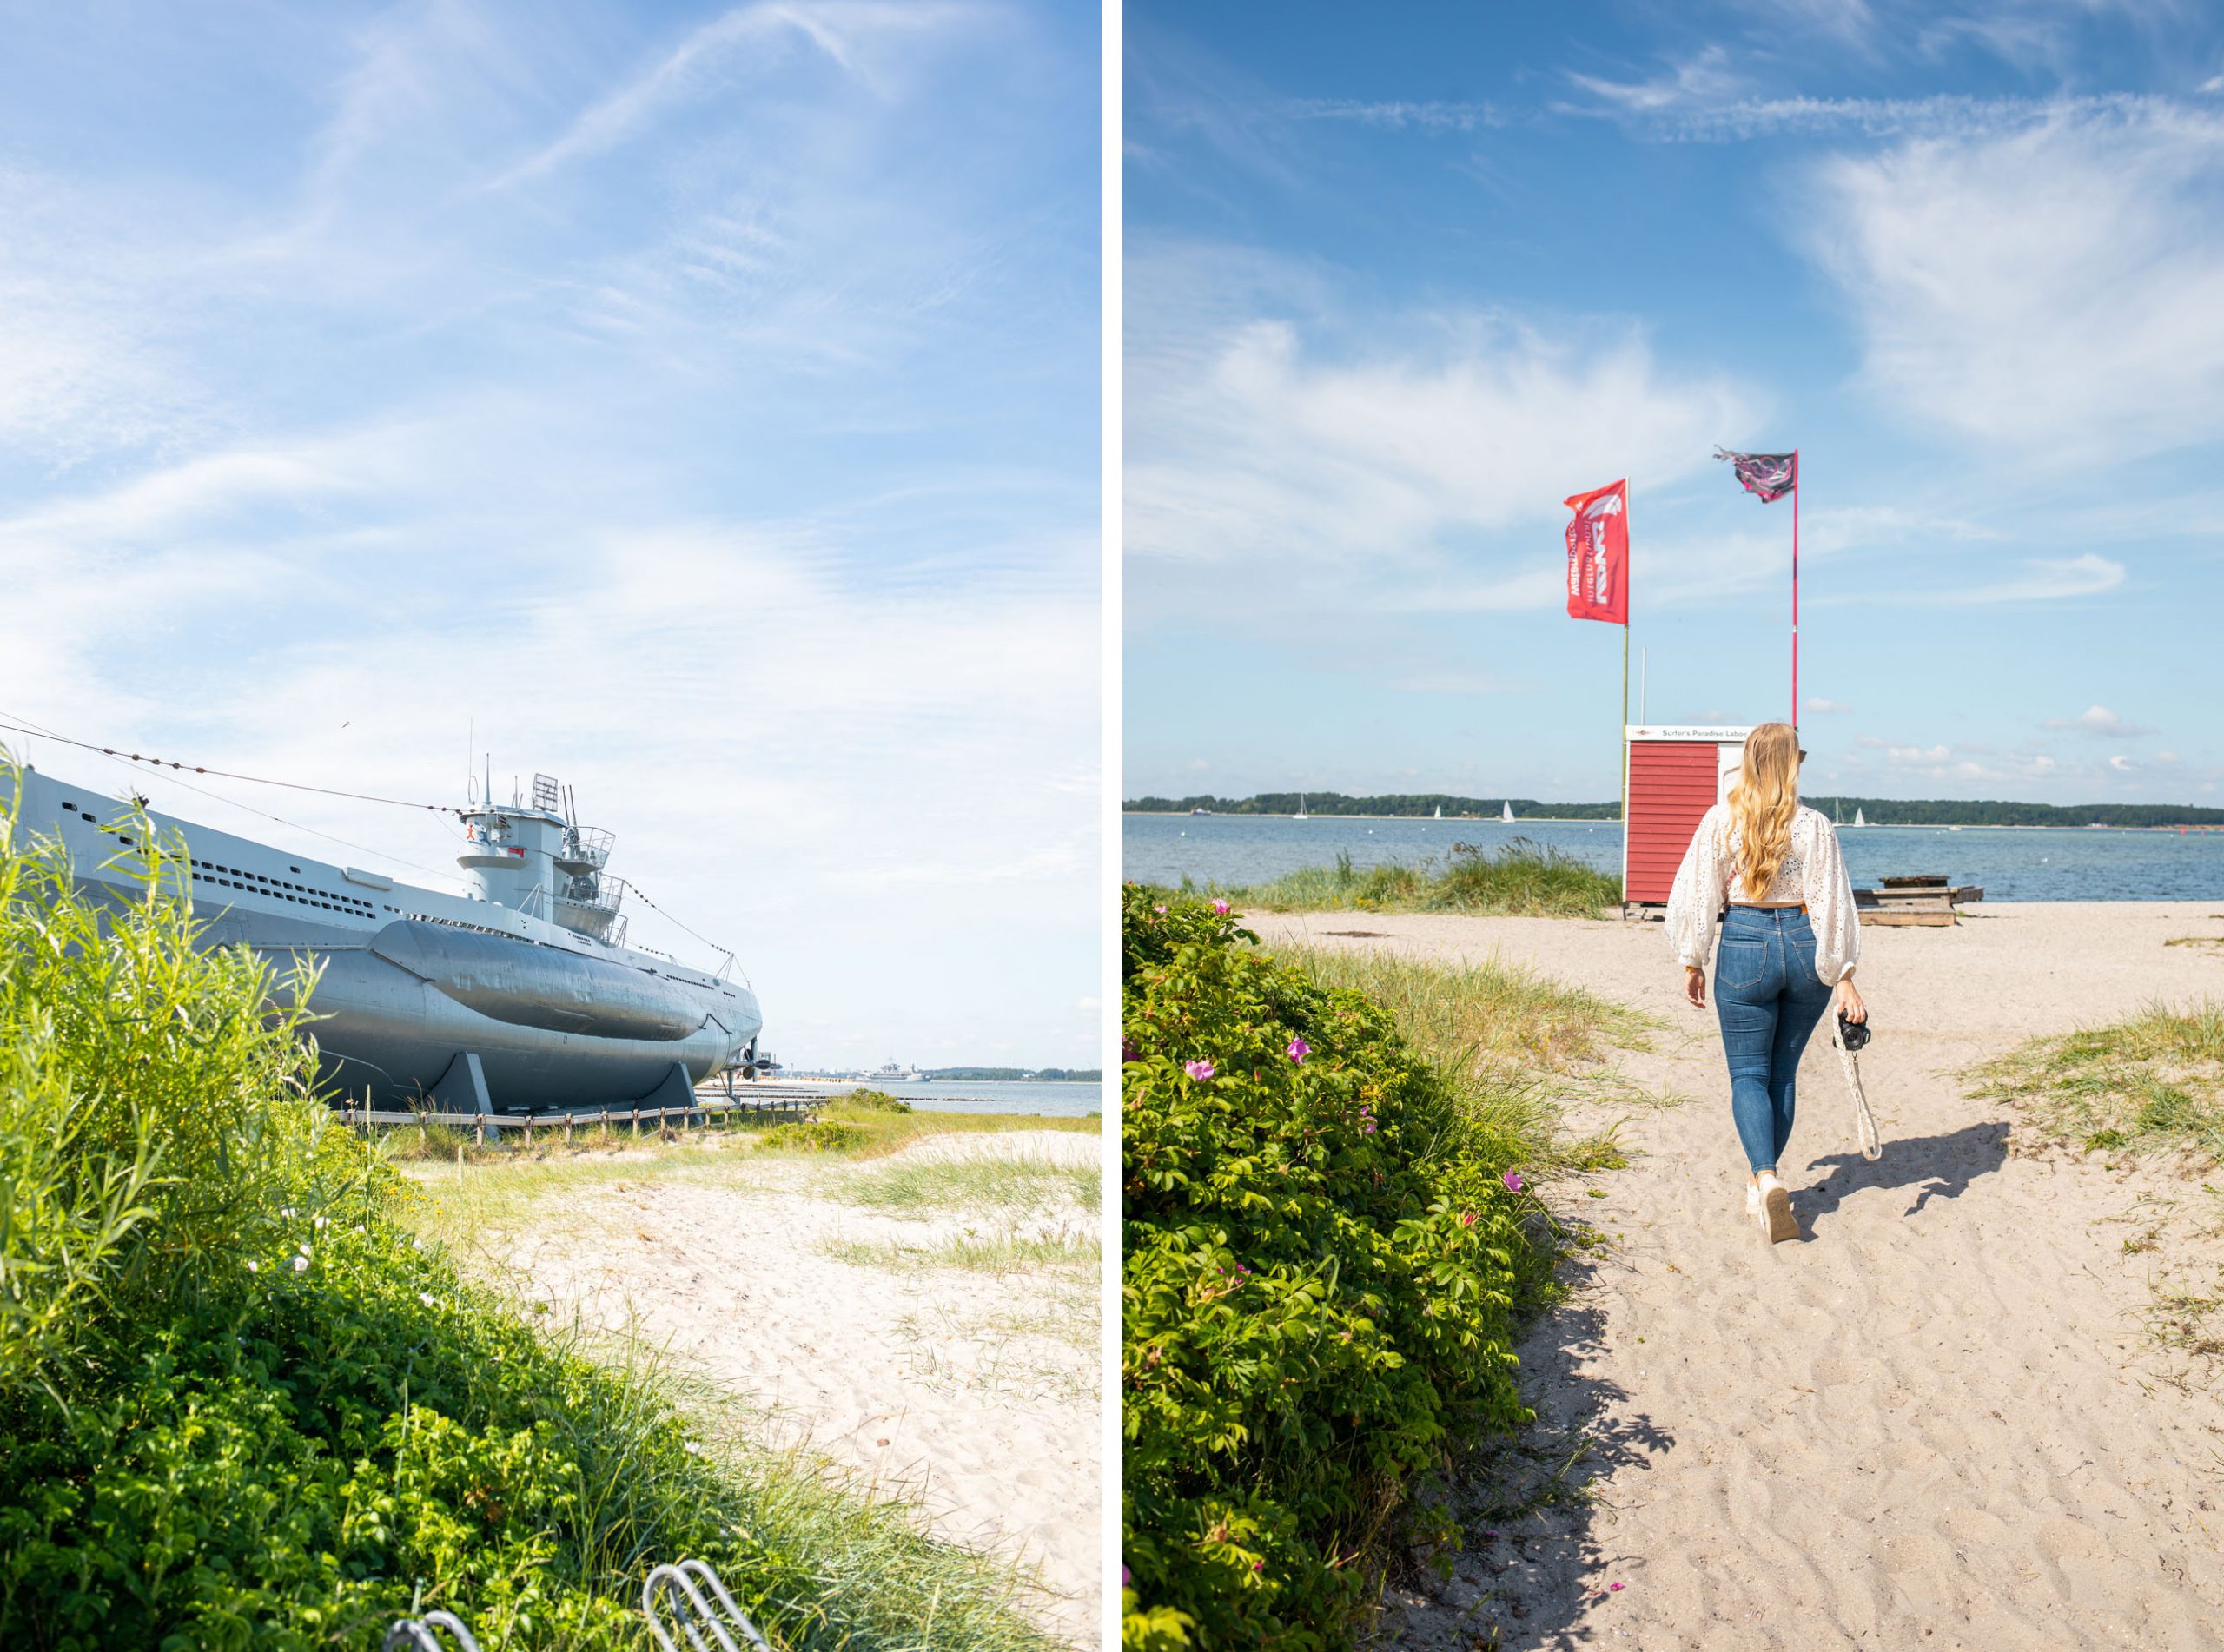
column 1440, row 811
column 1506, row 812
column 1301, row 814
column 1857, row 819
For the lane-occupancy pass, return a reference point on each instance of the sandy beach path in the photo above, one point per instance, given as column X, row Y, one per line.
column 1931, row 1423
column 974, row 1391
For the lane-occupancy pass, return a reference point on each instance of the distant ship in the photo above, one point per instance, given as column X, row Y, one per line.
column 896, row 1073
column 521, row 995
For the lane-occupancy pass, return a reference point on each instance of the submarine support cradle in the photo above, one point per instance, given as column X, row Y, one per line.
column 462, row 1088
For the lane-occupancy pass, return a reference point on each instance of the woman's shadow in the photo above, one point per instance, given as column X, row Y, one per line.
column 1937, row 1167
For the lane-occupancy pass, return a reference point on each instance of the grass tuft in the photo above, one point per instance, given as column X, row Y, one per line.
column 916, row 1186
column 1521, row 879
column 1005, row 1253
column 2152, row 1083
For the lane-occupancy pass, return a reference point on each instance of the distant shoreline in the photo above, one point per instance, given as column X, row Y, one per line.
column 1581, row 820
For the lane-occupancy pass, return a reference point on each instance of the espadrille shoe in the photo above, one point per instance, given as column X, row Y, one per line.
column 1776, row 1218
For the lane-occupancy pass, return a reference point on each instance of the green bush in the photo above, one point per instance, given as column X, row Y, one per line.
column 871, row 1102
column 242, row 1406
column 1322, row 1259
column 795, row 1136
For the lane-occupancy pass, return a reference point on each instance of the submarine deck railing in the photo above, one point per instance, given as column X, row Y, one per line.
column 705, row 1110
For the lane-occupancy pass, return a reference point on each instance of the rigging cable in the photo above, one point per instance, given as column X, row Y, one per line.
column 634, row 889
column 323, row 791
column 39, row 732
column 226, row 774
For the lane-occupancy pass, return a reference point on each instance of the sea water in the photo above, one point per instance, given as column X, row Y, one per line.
column 2010, row 863
column 1068, row 1099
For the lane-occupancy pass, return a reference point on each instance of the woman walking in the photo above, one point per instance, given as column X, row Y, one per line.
column 1773, row 872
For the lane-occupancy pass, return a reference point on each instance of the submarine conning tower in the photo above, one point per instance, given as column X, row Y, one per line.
column 531, row 858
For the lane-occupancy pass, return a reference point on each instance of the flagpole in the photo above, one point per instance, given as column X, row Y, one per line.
column 1796, row 479
column 1628, row 590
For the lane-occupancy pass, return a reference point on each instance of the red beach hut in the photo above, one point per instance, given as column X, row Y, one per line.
column 1674, row 775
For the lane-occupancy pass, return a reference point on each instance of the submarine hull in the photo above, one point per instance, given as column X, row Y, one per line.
column 551, row 1028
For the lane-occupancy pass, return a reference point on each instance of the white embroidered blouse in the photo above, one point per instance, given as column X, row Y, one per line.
column 1813, row 871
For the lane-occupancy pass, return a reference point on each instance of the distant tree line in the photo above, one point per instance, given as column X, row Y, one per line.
column 1878, row 811
column 1334, row 802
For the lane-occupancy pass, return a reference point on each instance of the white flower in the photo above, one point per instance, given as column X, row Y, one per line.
column 303, row 1247
column 416, row 1245
column 321, row 1221
column 300, row 1264
column 287, row 1211
column 694, row 1449
column 254, row 1267
column 425, row 1297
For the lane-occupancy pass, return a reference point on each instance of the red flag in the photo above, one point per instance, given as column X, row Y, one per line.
column 1599, row 555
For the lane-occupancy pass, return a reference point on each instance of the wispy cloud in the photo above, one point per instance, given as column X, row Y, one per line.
column 2095, row 233
column 1250, row 438
column 857, row 38
column 2047, row 580
column 2099, row 721
column 1396, row 114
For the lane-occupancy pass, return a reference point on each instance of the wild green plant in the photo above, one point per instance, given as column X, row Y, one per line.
column 1324, row 1247
column 150, row 1116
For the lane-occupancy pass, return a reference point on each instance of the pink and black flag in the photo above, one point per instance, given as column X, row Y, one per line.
column 1770, row 475
column 1598, row 554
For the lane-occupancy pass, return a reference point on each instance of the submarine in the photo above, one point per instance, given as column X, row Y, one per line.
column 521, row 995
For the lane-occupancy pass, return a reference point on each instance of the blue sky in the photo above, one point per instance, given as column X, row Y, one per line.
column 1400, row 279
column 696, row 403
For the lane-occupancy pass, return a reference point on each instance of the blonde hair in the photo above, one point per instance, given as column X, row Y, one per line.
column 1763, row 800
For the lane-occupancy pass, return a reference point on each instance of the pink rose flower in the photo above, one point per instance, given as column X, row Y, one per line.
column 1199, row 1071
column 1299, row 1049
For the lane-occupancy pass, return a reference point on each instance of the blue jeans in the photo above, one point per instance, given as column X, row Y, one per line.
column 1768, row 999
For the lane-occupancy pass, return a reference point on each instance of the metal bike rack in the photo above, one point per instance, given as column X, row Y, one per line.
column 423, row 1634
column 692, row 1614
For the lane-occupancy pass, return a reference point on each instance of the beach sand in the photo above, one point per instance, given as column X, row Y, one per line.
column 976, row 1392
column 1934, row 1421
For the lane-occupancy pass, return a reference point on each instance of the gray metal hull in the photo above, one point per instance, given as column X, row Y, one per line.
column 550, row 1029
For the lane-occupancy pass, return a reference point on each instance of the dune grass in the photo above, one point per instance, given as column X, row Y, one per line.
column 1451, row 1011
column 1521, row 879
column 866, row 1131
column 2152, row 1083
column 925, row 1187
column 1005, row 1253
